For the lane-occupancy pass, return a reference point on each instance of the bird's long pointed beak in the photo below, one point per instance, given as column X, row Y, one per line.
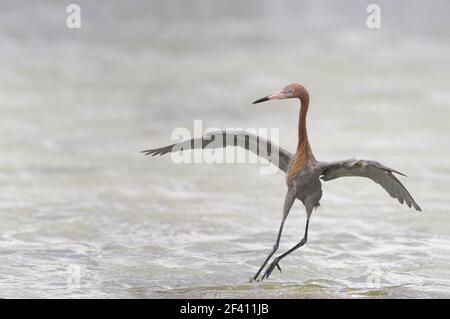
column 263, row 99
column 276, row 96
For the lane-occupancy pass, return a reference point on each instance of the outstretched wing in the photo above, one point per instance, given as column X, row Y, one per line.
column 239, row 138
column 377, row 172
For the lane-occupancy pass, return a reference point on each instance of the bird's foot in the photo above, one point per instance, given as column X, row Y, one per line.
column 255, row 279
column 271, row 268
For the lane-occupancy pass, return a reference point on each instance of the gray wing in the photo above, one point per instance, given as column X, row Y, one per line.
column 377, row 172
column 239, row 138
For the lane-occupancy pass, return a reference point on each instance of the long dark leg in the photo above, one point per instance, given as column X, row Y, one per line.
column 277, row 260
column 287, row 206
column 274, row 249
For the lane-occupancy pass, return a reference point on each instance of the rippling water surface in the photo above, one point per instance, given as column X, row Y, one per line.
column 84, row 214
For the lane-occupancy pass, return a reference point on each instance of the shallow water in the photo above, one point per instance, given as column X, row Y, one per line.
column 84, row 214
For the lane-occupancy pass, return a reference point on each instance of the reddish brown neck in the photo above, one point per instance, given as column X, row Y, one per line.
column 303, row 145
column 303, row 153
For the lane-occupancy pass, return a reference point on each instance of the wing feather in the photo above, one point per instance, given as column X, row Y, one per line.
column 377, row 172
column 239, row 138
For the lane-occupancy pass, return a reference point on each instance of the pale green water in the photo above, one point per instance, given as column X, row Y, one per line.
column 77, row 106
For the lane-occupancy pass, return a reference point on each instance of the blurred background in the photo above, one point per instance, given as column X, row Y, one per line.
column 84, row 214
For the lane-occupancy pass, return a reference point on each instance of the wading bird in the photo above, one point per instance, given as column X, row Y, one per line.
column 303, row 171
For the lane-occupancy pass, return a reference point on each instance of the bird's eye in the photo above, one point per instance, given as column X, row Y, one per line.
column 289, row 91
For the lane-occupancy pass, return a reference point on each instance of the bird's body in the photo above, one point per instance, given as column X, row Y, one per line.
column 305, row 184
column 303, row 172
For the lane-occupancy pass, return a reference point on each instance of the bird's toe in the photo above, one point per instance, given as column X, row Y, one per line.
column 279, row 268
column 270, row 269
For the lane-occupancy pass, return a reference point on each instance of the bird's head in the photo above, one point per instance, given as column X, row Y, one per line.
column 294, row 90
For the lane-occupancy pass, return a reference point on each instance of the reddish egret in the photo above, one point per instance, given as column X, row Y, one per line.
column 303, row 171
